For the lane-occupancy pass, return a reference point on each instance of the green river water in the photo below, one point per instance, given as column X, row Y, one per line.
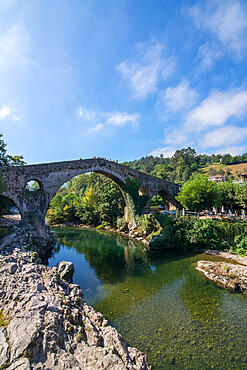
column 158, row 301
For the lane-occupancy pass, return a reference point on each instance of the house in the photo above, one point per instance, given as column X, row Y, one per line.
column 216, row 178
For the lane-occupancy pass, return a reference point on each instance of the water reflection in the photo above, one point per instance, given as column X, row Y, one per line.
column 111, row 258
column 158, row 301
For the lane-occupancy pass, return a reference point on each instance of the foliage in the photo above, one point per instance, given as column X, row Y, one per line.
column 6, row 160
column 183, row 163
column 198, row 193
column 32, row 186
column 241, row 244
column 9, row 160
column 241, row 195
column 2, row 322
column 148, row 224
column 184, row 234
column 90, row 199
column 136, row 202
column 228, row 192
column 159, row 171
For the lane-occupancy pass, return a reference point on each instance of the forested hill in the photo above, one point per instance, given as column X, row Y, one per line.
column 183, row 163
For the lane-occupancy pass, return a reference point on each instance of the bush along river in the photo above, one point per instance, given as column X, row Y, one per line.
column 158, row 301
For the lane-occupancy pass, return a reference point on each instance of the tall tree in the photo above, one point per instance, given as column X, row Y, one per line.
column 198, row 193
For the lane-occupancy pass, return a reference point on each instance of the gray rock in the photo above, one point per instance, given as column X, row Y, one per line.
column 66, row 270
column 4, row 347
column 50, row 326
column 12, row 268
column 21, row 364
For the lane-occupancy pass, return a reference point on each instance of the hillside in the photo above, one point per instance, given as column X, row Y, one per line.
column 186, row 162
column 235, row 169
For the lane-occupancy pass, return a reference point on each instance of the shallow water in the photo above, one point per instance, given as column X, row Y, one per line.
column 158, row 301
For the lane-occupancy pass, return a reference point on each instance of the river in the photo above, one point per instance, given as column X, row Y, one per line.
column 158, row 301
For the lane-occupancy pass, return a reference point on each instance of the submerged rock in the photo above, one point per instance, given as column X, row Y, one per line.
column 49, row 326
column 230, row 276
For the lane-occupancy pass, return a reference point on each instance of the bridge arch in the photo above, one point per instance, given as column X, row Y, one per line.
column 110, row 175
column 7, row 203
column 52, row 176
column 58, row 179
column 167, row 198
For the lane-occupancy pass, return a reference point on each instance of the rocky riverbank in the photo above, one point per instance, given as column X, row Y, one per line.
column 45, row 323
column 28, row 239
column 124, row 231
column 225, row 274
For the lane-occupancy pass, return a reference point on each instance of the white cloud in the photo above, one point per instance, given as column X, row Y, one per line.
column 119, row 119
column 14, row 45
column 88, row 115
column 143, row 72
column 176, row 98
column 208, row 55
column 16, row 38
column 226, row 19
column 102, row 120
column 224, row 136
column 9, row 112
column 98, row 127
column 166, row 151
column 177, row 137
column 217, row 108
column 233, row 150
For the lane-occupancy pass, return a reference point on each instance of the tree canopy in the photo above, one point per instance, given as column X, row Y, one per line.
column 198, row 194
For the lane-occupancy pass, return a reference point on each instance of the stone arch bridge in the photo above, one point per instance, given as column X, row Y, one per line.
column 51, row 176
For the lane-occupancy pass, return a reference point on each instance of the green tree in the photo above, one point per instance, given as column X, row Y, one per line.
column 198, row 193
column 6, row 160
column 241, row 195
column 228, row 192
column 159, row 171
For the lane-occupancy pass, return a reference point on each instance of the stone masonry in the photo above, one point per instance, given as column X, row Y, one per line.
column 51, row 176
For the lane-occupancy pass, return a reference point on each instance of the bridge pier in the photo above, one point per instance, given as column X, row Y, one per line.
column 34, row 205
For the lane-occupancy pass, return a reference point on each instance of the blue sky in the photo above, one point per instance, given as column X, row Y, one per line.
column 122, row 79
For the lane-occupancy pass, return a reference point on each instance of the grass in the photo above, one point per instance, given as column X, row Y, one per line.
column 2, row 322
column 235, row 169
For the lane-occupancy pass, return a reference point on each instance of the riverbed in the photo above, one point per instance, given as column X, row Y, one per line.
column 158, row 301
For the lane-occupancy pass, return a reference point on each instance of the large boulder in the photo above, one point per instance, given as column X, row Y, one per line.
column 66, row 270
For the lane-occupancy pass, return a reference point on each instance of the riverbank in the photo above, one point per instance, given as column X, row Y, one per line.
column 226, row 255
column 225, row 274
column 45, row 322
column 124, row 231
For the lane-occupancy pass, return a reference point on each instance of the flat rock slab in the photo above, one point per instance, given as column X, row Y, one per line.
column 226, row 274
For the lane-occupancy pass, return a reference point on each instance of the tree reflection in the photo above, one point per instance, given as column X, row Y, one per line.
column 111, row 258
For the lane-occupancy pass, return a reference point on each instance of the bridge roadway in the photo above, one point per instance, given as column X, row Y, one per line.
column 51, row 176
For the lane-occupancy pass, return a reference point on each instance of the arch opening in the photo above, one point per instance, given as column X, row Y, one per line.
column 89, row 198
column 162, row 202
column 32, row 186
column 169, row 203
column 9, row 212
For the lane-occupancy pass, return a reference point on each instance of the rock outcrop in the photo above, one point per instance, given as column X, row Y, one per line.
column 228, row 275
column 28, row 239
column 47, row 325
